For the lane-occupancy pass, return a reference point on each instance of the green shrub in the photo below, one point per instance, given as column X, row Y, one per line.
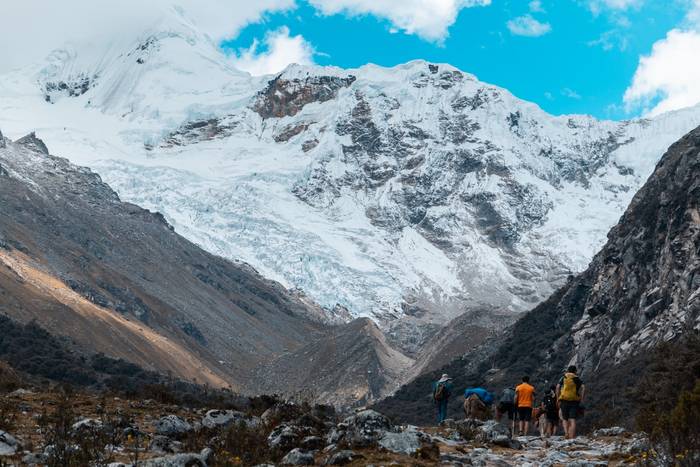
column 669, row 399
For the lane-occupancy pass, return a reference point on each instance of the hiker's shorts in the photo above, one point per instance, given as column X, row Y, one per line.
column 524, row 414
column 507, row 408
column 569, row 409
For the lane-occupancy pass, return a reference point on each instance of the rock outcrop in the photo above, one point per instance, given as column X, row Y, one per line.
column 33, row 143
column 285, row 97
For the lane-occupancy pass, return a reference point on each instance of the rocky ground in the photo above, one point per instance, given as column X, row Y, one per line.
column 50, row 428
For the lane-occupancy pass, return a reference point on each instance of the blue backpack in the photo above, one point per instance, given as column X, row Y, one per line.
column 485, row 396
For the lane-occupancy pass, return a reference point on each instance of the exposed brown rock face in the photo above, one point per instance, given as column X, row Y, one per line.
column 285, row 98
column 641, row 289
column 290, row 131
column 200, row 130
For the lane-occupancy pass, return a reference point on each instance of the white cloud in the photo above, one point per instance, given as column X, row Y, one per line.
column 35, row 27
column 570, row 93
column 429, row 19
column 528, row 26
column 609, row 40
column 536, row 6
column 669, row 77
column 597, row 6
column 281, row 50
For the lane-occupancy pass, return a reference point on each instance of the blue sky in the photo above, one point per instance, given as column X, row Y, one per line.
column 568, row 56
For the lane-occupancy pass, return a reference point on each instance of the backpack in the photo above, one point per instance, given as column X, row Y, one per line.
column 508, row 395
column 440, row 392
column 550, row 404
column 569, row 387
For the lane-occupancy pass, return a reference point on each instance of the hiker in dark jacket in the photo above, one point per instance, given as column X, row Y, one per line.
column 442, row 389
column 551, row 412
column 506, row 406
column 570, row 393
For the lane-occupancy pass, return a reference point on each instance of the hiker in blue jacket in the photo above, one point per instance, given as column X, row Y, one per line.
column 442, row 389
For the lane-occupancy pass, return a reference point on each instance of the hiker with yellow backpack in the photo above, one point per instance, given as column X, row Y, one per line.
column 570, row 393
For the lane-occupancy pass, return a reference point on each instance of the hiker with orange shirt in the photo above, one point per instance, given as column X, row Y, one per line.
column 524, row 402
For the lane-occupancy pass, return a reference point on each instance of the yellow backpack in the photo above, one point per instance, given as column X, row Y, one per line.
column 569, row 388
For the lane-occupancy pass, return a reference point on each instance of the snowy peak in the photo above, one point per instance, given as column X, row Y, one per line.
column 137, row 78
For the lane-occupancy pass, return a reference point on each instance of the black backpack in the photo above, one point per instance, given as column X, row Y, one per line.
column 550, row 404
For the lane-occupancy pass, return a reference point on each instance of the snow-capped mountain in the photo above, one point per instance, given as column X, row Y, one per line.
column 406, row 194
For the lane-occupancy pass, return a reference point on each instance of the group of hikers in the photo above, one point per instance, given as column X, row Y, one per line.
column 560, row 404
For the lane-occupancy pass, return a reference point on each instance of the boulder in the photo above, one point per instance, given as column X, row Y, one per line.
column 467, row 428
column 490, row 430
column 8, row 444
column 163, row 445
column 638, row 445
column 363, row 429
column 180, row 460
column 34, row 458
column 2, row 140
column 286, row 436
column 506, row 441
column 612, row 431
column 556, row 457
column 335, row 434
column 86, row 425
column 298, row 457
column 407, row 442
column 312, row 442
column 171, row 425
column 343, row 457
column 223, row 418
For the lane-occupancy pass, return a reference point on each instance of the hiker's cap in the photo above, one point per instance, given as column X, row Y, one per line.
column 444, row 378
